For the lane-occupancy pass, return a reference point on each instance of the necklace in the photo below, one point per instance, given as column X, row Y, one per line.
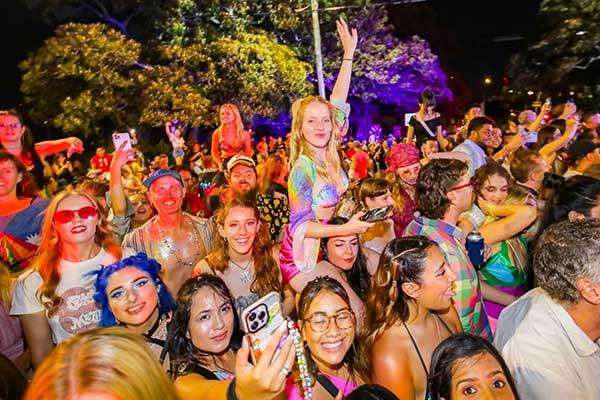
column 245, row 272
column 172, row 250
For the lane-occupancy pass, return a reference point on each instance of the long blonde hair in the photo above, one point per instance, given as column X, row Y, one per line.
column 113, row 360
column 48, row 254
column 298, row 145
column 239, row 123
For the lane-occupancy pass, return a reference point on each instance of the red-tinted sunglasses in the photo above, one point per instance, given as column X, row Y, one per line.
column 472, row 183
column 65, row 216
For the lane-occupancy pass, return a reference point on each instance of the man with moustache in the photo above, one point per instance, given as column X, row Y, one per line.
column 242, row 178
column 176, row 239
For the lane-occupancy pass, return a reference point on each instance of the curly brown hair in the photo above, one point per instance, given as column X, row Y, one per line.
column 436, row 179
column 267, row 277
column 402, row 260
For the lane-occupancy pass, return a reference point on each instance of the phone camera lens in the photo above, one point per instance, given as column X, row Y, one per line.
column 252, row 317
column 261, row 315
column 253, row 326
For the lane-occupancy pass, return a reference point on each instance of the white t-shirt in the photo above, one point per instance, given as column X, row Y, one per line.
column 78, row 311
column 476, row 155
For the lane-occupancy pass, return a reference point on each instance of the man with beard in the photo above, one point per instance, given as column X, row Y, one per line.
column 242, row 178
column 176, row 239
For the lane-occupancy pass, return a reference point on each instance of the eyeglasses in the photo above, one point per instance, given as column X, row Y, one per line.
column 14, row 125
column 472, row 183
column 65, row 216
column 320, row 322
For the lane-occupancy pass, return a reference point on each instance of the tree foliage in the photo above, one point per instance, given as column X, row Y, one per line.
column 95, row 75
column 150, row 60
column 567, row 40
column 80, row 77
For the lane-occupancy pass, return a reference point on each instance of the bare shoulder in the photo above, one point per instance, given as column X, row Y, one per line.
column 391, row 358
column 372, row 259
column 391, row 346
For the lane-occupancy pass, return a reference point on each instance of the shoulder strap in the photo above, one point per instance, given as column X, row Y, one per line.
column 425, row 126
column 446, row 325
column 327, row 385
column 412, row 339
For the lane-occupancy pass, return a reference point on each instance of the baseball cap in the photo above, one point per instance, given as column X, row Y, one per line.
column 240, row 159
column 159, row 174
column 580, row 148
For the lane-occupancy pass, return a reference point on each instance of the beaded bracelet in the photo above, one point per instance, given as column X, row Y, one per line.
column 301, row 360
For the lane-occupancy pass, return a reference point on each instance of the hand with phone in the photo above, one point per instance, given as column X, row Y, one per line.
column 265, row 379
column 356, row 225
column 122, row 156
column 377, row 214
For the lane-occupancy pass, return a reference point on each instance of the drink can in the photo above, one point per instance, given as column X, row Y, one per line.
column 475, row 248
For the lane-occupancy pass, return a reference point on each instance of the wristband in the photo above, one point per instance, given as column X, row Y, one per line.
column 231, row 391
column 348, row 59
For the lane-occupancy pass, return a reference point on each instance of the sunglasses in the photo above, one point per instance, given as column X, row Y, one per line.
column 472, row 183
column 65, row 216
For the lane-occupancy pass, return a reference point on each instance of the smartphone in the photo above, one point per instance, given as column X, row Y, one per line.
column 261, row 321
column 378, row 214
column 549, row 101
column 120, row 137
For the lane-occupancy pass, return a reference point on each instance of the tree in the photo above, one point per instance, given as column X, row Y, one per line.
column 567, row 41
column 80, row 78
column 89, row 76
column 195, row 55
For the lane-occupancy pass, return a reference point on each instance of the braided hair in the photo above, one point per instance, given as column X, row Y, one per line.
column 402, row 261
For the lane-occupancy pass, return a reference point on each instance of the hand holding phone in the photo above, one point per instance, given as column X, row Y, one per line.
column 265, row 379
column 260, row 321
column 121, row 137
column 377, row 214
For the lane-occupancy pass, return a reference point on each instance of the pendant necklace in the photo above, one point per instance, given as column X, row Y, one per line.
column 245, row 272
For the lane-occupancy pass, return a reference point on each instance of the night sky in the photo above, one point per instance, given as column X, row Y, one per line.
column 461, row 32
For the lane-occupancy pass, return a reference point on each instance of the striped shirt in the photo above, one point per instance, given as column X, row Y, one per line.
column 467, row 300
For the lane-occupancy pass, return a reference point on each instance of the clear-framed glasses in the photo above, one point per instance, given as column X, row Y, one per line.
column 320, row 322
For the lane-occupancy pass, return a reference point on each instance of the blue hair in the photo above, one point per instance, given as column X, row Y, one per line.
column 140, row 261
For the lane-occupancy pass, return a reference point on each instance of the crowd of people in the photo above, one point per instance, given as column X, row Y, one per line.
column 134, row 278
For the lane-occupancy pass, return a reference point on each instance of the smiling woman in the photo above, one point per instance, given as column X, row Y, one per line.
column 54, row 299
column 328, row 327
column 131, row 293
column 243, row 256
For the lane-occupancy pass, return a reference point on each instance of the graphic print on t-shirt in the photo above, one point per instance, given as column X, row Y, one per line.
column 79, row 311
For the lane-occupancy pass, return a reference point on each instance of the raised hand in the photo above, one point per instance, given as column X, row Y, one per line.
column 348, row 39
column 75, row 146
column 120, row 157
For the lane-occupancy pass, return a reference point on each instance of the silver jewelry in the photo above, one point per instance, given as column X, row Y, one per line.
column 245, row 272
column 286, row 371
column 172, row 250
